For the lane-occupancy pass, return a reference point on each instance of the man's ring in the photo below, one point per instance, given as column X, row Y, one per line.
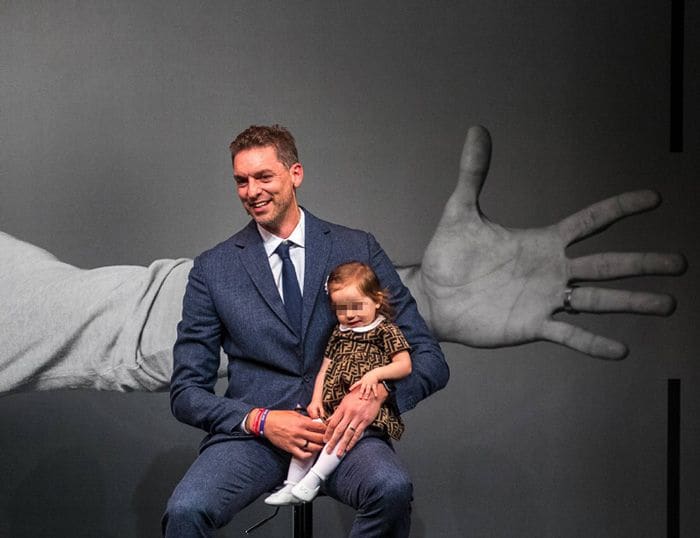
column 351, row 428
column 306, row 444
column 567, row 300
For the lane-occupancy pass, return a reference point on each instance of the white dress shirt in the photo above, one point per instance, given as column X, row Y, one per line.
column 296, row 252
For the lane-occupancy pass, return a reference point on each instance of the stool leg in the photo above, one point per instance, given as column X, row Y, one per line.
column 303, row 520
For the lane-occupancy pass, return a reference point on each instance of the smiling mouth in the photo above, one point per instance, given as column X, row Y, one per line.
column 258, row 205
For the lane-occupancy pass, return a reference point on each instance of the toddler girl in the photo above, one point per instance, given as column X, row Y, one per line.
column 364, row 350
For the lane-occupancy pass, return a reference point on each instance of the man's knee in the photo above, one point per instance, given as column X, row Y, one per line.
column 185, row 513
column 386, row 510
column 397, row 488
column 391, row 488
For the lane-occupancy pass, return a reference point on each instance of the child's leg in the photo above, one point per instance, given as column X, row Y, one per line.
column 308, row 487
column 325, row 464
column 298, row 469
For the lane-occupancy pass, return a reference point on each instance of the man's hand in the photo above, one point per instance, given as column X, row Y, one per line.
column 294, row 433
column 347, row 424
column 484, row 285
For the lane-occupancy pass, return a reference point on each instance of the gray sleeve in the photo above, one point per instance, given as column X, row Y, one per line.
column 110, row 328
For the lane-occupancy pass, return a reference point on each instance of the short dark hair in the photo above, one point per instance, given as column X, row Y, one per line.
column 276, row 136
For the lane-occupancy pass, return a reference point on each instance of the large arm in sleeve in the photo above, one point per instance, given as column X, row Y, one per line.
column 109, row 328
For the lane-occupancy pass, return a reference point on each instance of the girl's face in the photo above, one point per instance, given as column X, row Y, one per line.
column 352, row 307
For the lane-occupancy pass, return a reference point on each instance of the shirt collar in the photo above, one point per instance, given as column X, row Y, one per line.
column 364, row 328
column 272, row 241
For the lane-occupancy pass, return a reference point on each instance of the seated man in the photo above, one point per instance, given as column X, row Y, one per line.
column 260, row 296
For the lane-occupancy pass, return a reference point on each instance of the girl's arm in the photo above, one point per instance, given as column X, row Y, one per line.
column 315, row 408
column 399, row 368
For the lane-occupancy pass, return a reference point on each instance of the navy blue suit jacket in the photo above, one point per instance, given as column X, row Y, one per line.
column 231, row 302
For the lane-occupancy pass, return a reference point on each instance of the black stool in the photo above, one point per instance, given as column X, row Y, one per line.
column 302, row 521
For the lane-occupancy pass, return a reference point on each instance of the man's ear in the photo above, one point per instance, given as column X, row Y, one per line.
column 297, row 173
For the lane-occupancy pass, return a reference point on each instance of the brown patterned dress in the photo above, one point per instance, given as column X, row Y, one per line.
column 353, row 354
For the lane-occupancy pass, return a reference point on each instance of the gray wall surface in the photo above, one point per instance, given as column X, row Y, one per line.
column 115, row 119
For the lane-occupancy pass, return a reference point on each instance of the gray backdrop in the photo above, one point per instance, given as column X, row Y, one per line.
column 115, row 120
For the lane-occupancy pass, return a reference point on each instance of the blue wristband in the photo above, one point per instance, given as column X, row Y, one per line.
column 261, row 430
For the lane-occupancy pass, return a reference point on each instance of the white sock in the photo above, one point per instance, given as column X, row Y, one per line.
column 325, row 464
column 298, row 468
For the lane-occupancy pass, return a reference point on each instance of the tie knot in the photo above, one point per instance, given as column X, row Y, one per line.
column 283, row 250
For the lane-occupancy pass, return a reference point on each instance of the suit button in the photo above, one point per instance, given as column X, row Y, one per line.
column 307, row 378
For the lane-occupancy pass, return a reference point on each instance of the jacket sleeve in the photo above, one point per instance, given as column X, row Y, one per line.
column 430, row 371
column 196, row 361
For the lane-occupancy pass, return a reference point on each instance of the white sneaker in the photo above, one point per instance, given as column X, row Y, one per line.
column 283, row 496
column 307, row 488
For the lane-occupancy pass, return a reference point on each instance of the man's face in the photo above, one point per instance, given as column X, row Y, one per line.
column 266, row 188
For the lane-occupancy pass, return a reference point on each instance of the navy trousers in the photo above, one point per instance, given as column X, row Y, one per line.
column 228, row 476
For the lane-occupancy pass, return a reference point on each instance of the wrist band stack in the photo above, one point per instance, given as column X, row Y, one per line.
column 263, row 417
column 257, row 422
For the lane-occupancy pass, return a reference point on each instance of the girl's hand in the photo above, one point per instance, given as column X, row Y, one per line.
column 368, row 385
column 315, row 409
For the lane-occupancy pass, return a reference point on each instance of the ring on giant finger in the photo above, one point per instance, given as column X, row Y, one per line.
column 568, row 292
column 306, row 445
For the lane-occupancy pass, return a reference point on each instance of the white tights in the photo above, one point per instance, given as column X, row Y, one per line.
column 322, row 467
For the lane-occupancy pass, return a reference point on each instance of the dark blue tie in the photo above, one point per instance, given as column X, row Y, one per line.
column 290, row 287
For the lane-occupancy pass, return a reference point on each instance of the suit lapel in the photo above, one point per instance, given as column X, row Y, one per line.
column 254, row 260
column 317, row 252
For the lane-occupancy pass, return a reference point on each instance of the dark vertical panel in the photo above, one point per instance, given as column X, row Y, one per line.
column 673, row 459
column 677, row 38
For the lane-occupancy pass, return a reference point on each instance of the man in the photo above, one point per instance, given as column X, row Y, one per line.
column 479, row 284
column 234, row 300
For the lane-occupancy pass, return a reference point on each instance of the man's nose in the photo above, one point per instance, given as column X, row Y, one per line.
column 253, row 188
